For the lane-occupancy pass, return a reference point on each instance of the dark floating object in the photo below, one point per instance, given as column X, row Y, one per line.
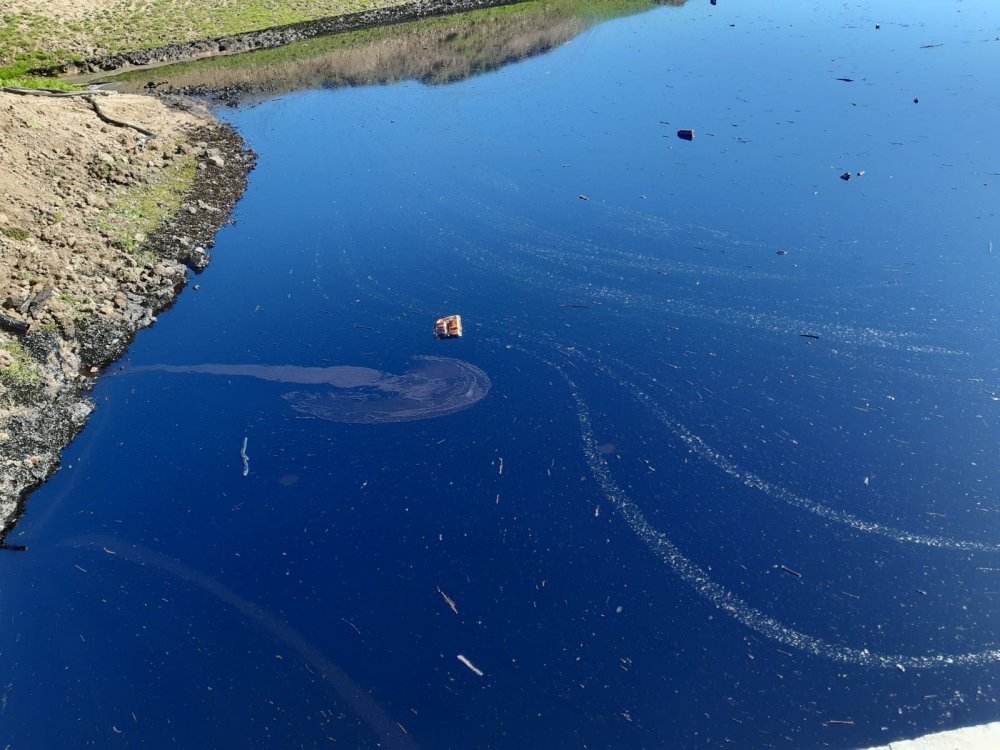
column 431, row 387
column 448, row 327
column 878, row 26
column 782, row 252
column 845, row 80
column 575, row 305
column 809, row 335
column 916, row 100
column 861, row 173
column 13, row 325
column 583, row 197
column 846, row 176
column 714, row 2
column 685, row 135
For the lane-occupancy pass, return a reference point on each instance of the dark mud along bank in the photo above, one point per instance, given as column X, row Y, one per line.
column 60, row 326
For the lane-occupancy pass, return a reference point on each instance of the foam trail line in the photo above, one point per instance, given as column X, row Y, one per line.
column 389, row 733
column 727, row 601
column 702, row 450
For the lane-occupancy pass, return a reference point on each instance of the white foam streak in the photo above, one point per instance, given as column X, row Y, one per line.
column 702, row 450
column 727, row 601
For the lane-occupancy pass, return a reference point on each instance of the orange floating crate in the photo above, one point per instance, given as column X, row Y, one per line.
column 448, row 327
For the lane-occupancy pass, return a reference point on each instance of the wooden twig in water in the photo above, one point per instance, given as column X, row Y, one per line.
column 448, row 600
column 470, row 665
column 790, row 572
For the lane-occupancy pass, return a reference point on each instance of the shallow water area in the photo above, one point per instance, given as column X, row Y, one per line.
column 733, row 478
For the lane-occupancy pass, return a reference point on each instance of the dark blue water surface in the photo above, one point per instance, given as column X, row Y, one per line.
column 673, row 521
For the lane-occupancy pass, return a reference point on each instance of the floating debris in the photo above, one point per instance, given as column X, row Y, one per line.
column 583, row 197
column 448, row 327
column 245, row 457
column 809, row 335
column 448, row 600
column 470, row 665
column 916, row 100
column 575, row 305
column 846, row 176
column 790, row 572
column 782, row 252
column 685, row 135
column 845, row 80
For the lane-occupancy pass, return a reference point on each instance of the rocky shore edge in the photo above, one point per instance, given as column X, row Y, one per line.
column 44, row 327
column 69, row 358
column 278, row 36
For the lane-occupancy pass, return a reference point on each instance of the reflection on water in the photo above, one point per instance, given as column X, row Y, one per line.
column 432, row 51
column 435, row 387
column 676, row 521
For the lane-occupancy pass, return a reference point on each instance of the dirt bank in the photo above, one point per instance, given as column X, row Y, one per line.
column 98, row 223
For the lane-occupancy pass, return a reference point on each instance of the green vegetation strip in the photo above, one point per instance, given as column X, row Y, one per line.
column 29, row 41
column 140, row 209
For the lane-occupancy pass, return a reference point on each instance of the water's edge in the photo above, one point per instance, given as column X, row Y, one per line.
column 50, row 425
column 49, row 421
column 277, row 36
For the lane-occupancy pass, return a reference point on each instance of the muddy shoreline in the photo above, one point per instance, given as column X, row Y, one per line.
column 278, row 36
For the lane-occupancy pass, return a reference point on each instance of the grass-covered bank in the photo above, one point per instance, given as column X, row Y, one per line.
column 42, row 35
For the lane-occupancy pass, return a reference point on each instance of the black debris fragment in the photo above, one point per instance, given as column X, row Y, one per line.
column 685, row 135
column 809, row 335
column 846, row 176
column 782, row 252
column 13, row 325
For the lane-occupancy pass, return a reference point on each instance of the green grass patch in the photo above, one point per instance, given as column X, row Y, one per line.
column 15, row 233
column 23, row 376
column 34, row 41
column 8, row 78
column 140, row 209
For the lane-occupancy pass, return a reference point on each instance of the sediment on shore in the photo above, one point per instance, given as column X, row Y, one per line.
column 100, row 229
